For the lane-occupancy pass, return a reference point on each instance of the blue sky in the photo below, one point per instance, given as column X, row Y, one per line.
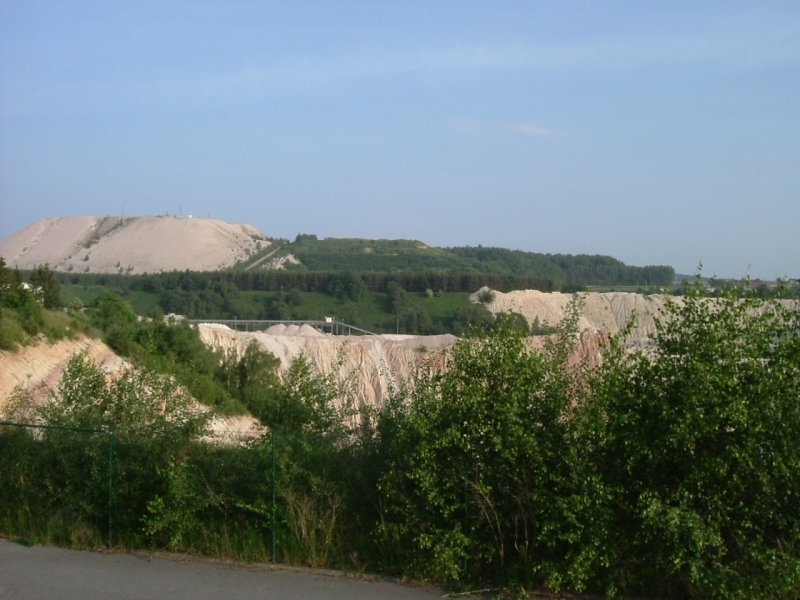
column 655, row 132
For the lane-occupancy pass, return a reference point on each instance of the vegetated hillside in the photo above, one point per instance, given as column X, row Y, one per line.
column 131, row 244
column 358, row 254
column 511, row 269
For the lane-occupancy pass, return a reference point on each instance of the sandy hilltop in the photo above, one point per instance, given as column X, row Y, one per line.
column 131, row 244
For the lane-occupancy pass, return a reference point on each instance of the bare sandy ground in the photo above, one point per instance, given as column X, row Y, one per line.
column 39, row 367
column 371, row 365
column 608, row 312
column 131, row 245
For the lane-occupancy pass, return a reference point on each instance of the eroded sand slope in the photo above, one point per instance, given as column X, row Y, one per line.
column 131, row 244
column 608, row 312
column 373, row 365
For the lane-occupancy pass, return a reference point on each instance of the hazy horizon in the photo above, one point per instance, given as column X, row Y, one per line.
column 657, row 134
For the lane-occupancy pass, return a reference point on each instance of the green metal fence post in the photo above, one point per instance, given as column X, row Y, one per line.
column 466, row 495
column 274, row 500
column 111, row 441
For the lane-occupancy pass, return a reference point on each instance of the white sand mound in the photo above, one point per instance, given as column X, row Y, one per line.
column 371, row 364
column 293, row 329
column 609, row 312
column 131, row 245
column 309, row 331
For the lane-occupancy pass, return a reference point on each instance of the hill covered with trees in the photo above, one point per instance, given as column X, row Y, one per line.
column 510, row 269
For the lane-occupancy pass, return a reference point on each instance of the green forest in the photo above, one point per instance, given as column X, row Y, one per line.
column 670, row 474
column 511, row 269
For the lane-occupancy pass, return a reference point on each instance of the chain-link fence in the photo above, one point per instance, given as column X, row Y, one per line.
column 57, row 481
column 264, row 500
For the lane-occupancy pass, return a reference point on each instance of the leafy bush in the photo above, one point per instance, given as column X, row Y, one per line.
column 479, row 474
column 697, row 444
column 11, row 332
column 74, row 462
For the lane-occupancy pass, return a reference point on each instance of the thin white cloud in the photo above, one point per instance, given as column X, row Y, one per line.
column 750, row 41
column 533, row 130
column 488, row 129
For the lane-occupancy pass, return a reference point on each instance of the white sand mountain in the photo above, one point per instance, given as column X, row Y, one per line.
column 131, row 244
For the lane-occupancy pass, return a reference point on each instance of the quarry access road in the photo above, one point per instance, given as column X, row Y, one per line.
column 43, row 572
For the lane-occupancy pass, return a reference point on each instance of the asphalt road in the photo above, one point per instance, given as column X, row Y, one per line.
column 39, row 572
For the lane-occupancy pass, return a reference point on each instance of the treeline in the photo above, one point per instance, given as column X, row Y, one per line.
column 553, row 272
column 569, row 271
column 335, row 283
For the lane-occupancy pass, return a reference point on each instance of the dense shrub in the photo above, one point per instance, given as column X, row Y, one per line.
column 99, row 435
column 698, row 446
column 479, row 478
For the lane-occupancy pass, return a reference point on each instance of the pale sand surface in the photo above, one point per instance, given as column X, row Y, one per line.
column 609, row 312
column 132, row 244
column 39, row 367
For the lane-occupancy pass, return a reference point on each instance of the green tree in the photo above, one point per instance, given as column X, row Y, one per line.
column 416, row 319
column 45, row 283
column 470, row 318
column 397, row 297
column 11, row 291
column 68, row 474
column 348, row 286
column 136, row 402
column 515, row 321
column 253, row 379
column 115, row 317
column 479, row 480
column 294, row 297
column 697, row 442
